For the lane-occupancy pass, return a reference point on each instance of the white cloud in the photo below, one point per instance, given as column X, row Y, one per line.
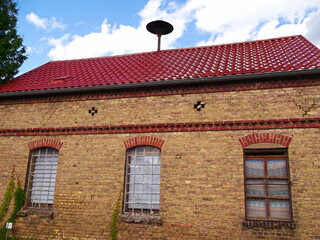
column 44, row 23
column 219, row 21
column 31, row 49
column 37, row 21
column 232, row 21
column 109, row 40
column 58, row 46
column 272, row 30
column 122, row 39
column 313, row 28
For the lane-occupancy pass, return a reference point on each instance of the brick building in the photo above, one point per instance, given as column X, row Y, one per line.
column 215, row 142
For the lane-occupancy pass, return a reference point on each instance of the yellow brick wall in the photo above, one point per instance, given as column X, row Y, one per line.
column 223, row 106
column 202, row 192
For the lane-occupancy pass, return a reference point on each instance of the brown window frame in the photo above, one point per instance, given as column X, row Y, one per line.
column 267, row 154
column 127, row 183
column 48, row 168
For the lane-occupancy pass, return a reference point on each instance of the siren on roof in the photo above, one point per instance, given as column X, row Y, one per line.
column 159, row 28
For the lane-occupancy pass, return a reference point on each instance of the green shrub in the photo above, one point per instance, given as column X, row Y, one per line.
column 19, row 198
column 115, row 215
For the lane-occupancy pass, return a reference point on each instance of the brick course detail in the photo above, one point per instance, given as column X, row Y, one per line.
column 265, row 138
column 169, row 127
column 45, row 142
column 146, row 140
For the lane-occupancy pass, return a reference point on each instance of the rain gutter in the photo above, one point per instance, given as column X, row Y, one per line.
column 214, row 79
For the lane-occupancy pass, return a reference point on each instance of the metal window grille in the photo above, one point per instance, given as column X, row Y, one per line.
column 42, row 177
column 267, row 186
column 142, row 182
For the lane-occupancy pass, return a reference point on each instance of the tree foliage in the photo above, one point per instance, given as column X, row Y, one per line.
column 12, row 51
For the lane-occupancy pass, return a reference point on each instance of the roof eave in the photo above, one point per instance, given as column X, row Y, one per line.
column 253, row 76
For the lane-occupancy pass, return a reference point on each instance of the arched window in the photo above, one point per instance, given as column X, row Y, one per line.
column 142, row 180
column 41, row 180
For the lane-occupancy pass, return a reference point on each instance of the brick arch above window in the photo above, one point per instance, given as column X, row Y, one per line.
column 145, row 140
column 265, row 138
column 45, row 142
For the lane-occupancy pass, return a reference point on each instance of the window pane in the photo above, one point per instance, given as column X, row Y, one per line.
column 279, row 210
column 141, row 175
column 43, row 151
column 138, row 188
column 155, row 189
column 156, row 170
column 148, row 160
column 134, row 205
column 50, row 151
column 134, row 198
column 138, row 169
column 156, row 151
column 140, row 151
column 156, row 179
column 147, row 199
column 36, row 152
column 147, row 170
column 278, row 189
column 149, row 150
column 277, row 168
column 130, row 188
column 147, row 179
column 155, row 206
column 254, row 168
column 42, row 177
column 255, row 188
column 147, row 188
column 146, row 206
column 256, row 209
column 156, row 160
column 131, row 152
column 155, row 199
column 137, row 160
column 138, row 178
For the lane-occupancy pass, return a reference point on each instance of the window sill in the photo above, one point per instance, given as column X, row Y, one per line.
column 268, row 224
column 42, row 213
column 141, row 218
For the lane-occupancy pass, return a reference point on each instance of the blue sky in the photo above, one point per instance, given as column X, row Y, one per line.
column 72, row 29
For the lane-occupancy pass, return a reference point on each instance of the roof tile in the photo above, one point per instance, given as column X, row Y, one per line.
column 263, row 56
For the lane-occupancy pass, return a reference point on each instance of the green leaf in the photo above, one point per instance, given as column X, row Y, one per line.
column 12, row 51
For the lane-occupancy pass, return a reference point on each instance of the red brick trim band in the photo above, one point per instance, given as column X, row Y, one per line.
column 169, row 127
column 45, row 142
column 170, row 90
column 146, row 140
column 265, row 138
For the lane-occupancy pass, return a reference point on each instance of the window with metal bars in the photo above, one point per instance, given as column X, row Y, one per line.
column 267, row 185
column 42, row 177
column 142, row 180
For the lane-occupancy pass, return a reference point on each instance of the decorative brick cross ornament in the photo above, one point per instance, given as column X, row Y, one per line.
column 199, row 105
column 93, row 111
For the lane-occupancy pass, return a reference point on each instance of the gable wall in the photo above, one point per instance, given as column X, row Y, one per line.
column 202, row 193
column 225, row 106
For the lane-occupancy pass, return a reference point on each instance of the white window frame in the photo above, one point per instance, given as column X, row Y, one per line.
column 142, row 180
column 42, row 177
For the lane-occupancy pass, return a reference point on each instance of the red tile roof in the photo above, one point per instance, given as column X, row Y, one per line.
column 263, row 56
